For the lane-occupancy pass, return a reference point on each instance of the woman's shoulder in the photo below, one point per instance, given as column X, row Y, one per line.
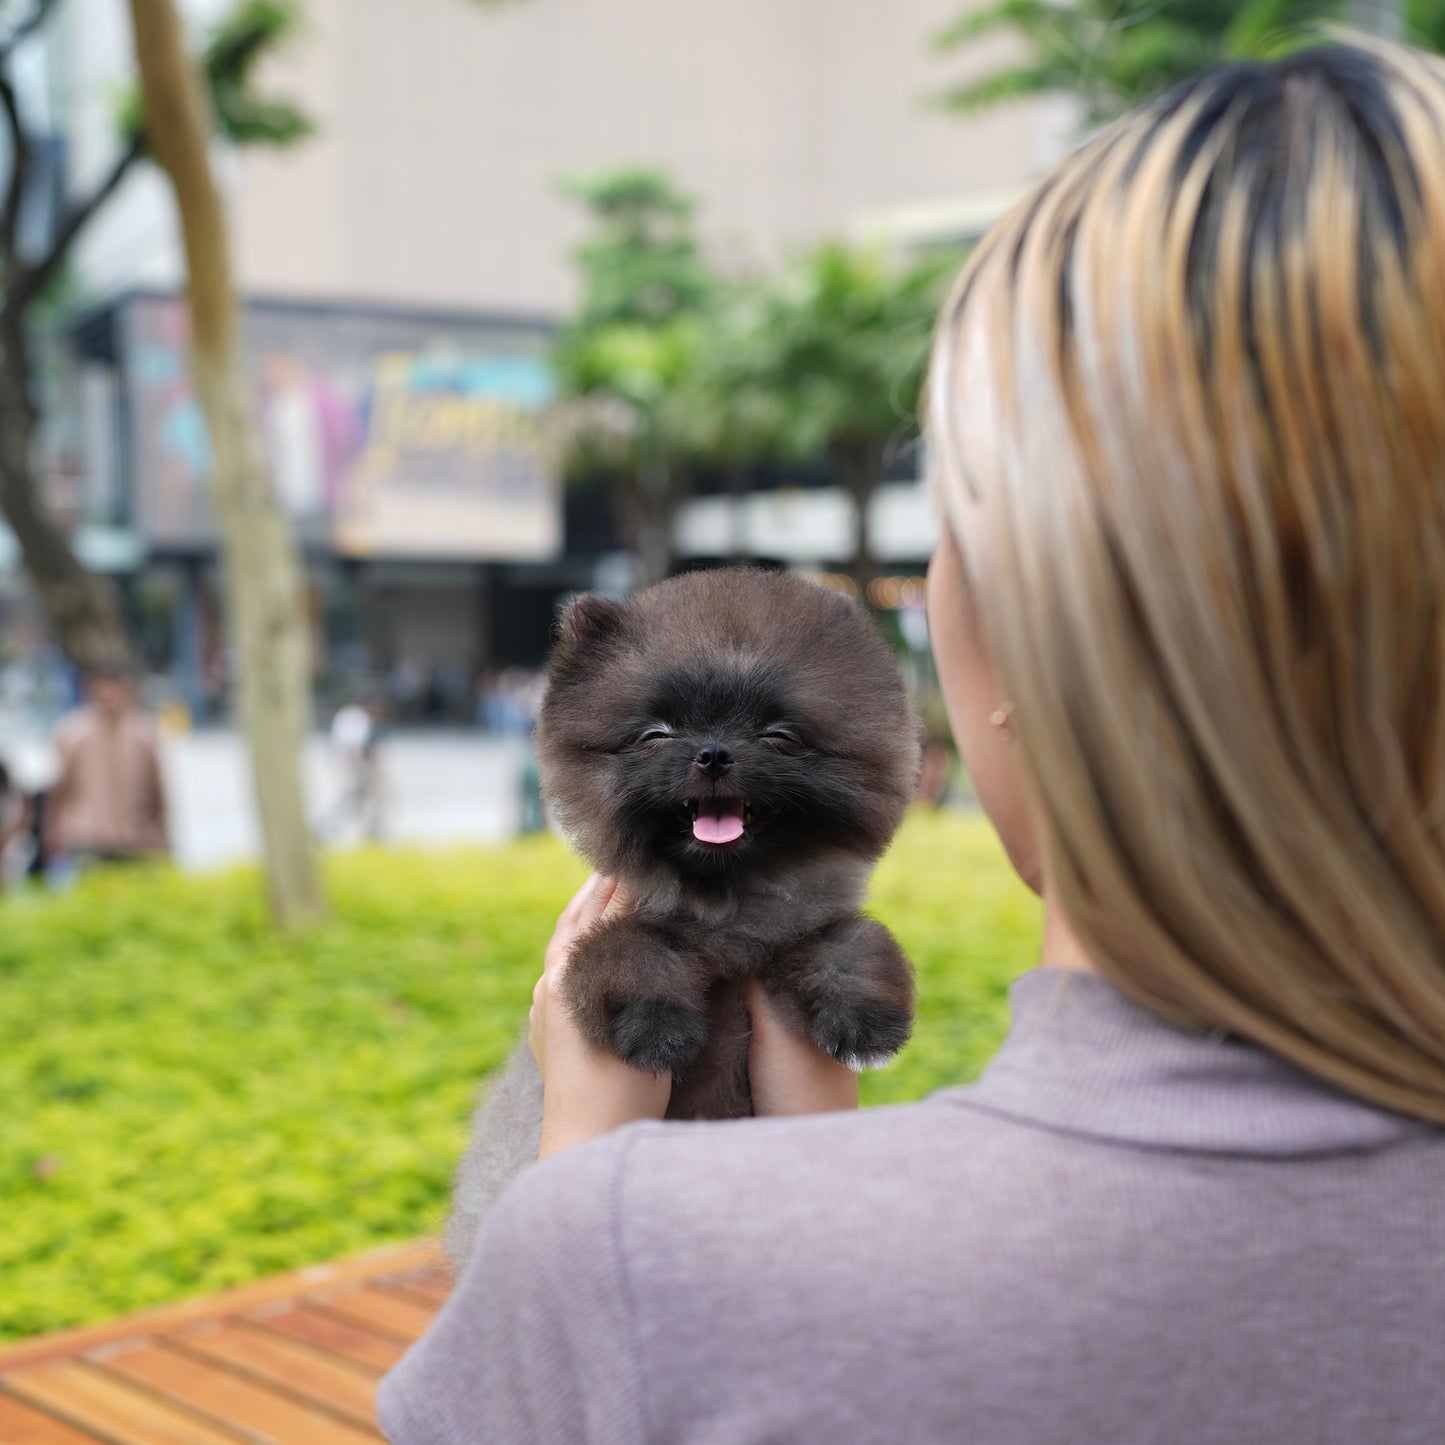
column 648, row 1197
column 921, row 1183
column 645, row 1165
column 672, row 1273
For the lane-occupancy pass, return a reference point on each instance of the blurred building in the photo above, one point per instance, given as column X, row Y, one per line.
column 402, row 269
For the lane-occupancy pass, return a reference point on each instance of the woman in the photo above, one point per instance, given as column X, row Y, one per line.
column 1189, row 614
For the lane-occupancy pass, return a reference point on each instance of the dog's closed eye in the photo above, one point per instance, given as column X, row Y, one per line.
column 785, row 740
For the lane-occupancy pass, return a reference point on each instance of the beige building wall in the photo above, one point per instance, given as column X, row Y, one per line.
column 444, row 125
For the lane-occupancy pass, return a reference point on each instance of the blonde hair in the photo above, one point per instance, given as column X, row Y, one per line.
column 1187, row 415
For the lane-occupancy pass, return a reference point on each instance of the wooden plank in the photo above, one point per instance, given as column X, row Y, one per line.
column 388, row 1314
column 22, row 1424
column 326, row 1332
column 232, row 1400
column 275, row 1360
column 429, row 1288
column 395, row 1259
column 115, row 1411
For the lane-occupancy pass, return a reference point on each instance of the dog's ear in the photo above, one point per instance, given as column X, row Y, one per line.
column 591, row 626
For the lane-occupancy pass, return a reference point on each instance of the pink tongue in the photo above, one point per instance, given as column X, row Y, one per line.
column 721, row 826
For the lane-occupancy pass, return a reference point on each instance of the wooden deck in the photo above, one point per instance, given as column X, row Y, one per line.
column 289, row 1361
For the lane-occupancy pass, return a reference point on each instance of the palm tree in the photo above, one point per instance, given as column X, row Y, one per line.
column 833, row 353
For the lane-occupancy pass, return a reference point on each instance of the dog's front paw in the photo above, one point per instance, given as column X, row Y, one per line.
column 863, row 1034
column 658, row 1035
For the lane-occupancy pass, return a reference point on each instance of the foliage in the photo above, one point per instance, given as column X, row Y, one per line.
column 81, row 606
column 202, row 1102
column 826, row 359
column 244, row 38
column 641, row 265
column 635, row 337
column 724, row 410
column 1425, row 23
column 644, row 286
column 672, row 368
column 842, row 338
column 1111, row 54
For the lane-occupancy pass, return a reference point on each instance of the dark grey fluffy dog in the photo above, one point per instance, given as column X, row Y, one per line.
column 736, row 747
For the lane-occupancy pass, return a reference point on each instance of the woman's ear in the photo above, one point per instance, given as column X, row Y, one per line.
column 591, row 626
column 979, row 711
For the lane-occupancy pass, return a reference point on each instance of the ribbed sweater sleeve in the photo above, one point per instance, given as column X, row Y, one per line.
column 538, row 1341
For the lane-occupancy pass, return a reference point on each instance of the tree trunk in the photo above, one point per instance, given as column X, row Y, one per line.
column 654, row 521
column 738, row 551
column 859, row 471
column 81, row 607
column 262, row 564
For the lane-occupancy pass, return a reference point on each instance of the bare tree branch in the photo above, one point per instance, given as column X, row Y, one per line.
column 28, row 26
column 31, row 280
column 19, row 166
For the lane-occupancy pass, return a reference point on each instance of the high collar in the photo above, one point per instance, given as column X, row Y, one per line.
column 1083, row 1059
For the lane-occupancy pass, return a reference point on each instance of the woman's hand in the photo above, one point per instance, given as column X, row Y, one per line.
column 790, row 1074
column 586, row 1091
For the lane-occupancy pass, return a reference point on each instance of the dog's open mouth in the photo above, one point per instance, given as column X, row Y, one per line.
column 719, row 820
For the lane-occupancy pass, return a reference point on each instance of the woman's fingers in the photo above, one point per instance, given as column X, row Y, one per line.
column 790, row 1074
column 599, row 897
column 573, row 911
column 596, row 903
column 620, row 899
column 570, row 922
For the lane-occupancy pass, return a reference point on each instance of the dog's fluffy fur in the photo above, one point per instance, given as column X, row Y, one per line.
column 748, row 694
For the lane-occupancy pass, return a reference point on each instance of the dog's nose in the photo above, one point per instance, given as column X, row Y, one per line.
column 714, row 760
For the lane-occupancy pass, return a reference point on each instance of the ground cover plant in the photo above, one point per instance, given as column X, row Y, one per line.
column 193, row 1102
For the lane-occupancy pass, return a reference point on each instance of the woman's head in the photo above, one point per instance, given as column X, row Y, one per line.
column 1189, row 438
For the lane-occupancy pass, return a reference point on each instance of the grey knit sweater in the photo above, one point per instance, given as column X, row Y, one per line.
column 1121, row 1232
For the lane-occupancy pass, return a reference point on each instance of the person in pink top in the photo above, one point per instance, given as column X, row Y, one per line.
column 109, row 802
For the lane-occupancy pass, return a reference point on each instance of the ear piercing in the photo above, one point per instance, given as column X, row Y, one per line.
column 1002, row 718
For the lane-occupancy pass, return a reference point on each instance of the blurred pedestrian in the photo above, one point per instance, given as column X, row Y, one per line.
column 355, row 739
column 109, row 801
column 14, row 828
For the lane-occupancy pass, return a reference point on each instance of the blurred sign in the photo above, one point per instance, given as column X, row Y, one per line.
column 386, row 435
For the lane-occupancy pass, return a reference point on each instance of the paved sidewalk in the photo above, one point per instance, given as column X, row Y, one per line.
column 440, row 788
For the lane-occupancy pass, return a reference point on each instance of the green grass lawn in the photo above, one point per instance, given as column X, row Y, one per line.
column 193, row 1102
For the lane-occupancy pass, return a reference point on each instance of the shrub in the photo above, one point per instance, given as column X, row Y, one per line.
column 202, row 1102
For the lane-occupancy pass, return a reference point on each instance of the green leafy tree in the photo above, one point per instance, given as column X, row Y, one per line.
column 636, row 336
column 830, row 361
column 1111, row 55
column 81, row 606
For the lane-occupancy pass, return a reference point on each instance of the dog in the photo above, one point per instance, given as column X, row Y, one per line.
column 737, row 748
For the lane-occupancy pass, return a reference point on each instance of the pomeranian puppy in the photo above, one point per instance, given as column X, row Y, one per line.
column 737, row 748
